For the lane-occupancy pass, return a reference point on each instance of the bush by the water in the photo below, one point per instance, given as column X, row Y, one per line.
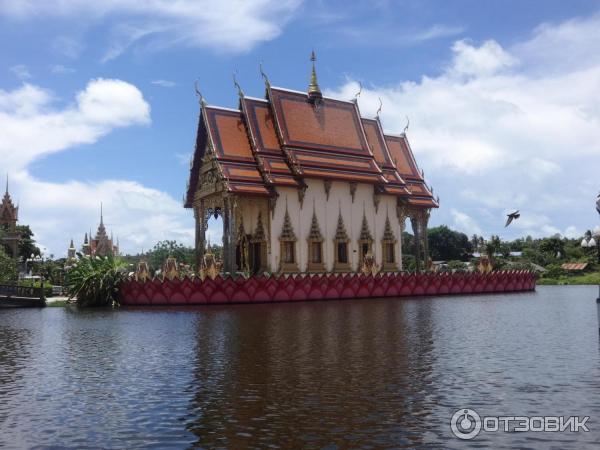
column 95, row 281
column 36, row 284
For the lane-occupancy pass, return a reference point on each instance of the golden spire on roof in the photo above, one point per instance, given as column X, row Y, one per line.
column 314, row 91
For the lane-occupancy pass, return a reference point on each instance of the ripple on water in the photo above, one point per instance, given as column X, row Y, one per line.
column 368, row 374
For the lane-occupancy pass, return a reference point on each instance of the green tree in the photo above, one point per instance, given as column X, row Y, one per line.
column 8, row 267
column 94, row 281
column 446, row 244
column 475, row 243
column 27, row 245
column 553, row 246
column 163, row 249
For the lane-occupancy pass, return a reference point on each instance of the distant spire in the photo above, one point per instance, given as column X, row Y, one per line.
column 314, row 91
column 71, row 246
column 101, row 215
column 7, row 183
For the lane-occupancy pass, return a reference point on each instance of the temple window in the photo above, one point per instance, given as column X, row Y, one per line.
column 342, row 259
column 365, row 242
column 315, row 246
column 258, row 248
column 388, row 246
column 316, row 253
column 287, row 240
column 342, row 252
column 288, row 252
column 390, row 257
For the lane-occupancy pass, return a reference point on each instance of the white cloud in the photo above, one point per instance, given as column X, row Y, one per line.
column 33, row 126
column 67, row 46
column 59, row 69
column 387, row 33
column 234, row 25
column 139, row 216
column 465, row 223
column 499, row 130
column 164, row 83
column 485, row 60
column 184, row 158
column 21, row 72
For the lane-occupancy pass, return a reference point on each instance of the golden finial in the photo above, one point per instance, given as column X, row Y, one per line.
column 355, row 99
column 199, row 94
column 379, row 109
column 314, row 91
column 407, row 124
column 264, row 75
column 237, row 85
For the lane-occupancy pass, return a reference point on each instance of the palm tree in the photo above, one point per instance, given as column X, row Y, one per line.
column 94, row 281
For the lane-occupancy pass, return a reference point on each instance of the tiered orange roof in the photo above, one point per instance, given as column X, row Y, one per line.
column 227, row 131
column 405, row 163
column 324, row 140
column 292, row 136
column 267, row 150
column 395, row 184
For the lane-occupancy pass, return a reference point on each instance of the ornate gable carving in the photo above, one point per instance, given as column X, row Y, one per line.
column 287, row 231
column 388, row 233
column 259, row 233
column 365, row 233
column 315, row 231
column 340, row 231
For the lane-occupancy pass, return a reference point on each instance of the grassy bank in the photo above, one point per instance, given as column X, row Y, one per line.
column 586, row 278
column 56, row 303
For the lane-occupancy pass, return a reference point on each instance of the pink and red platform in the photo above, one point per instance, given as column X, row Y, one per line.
column 286, row 288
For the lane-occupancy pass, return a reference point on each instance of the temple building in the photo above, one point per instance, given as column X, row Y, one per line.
column 304, row 183
column 100, row 245
column 9, row 215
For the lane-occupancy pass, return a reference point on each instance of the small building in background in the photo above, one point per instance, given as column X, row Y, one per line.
column 9, row 215
column 100, row 245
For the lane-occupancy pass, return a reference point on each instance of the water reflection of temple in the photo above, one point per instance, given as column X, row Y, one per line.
column 303, row 183
column 314, row 375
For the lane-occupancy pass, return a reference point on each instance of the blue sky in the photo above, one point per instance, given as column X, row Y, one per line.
column 97, row 102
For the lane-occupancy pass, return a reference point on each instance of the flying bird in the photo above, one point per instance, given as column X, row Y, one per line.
column 512, row 216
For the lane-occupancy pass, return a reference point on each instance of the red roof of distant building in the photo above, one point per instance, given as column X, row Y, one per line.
column 574, row 266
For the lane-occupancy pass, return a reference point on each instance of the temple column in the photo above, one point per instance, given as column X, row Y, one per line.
column 226, row 235
column 229, row 241
column 201, row 221
column 424, row 225
column 232, row 236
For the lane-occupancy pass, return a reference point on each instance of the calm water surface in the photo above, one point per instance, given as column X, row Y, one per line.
column 361, row 374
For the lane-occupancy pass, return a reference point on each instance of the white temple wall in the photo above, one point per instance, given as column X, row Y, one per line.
column 247, row 211
column 327, row 211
